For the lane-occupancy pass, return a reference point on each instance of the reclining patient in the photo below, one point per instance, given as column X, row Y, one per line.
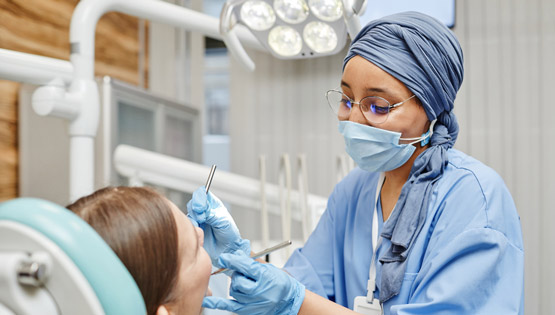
column 156, row 242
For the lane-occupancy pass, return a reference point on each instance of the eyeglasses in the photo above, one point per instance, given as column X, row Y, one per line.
column 374, row 108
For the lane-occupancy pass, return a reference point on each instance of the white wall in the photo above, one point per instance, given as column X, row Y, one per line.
column 281, row 108
column 172, row 73
column 505, row 110
column 507, row 118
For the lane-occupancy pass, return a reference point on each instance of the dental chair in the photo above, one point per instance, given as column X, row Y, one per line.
column 53, row 262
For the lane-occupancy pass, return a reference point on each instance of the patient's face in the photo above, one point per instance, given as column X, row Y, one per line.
column 194, row 273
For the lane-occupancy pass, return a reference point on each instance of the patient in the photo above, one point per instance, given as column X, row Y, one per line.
column 155, row 241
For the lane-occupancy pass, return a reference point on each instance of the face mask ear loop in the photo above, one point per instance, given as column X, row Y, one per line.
column 425, row 138
column 428, row 135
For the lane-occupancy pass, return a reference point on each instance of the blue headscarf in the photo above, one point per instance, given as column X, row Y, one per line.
column 424, row 55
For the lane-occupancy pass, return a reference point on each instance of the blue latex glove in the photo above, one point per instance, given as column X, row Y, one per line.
column 221, row 235
column 257, row 288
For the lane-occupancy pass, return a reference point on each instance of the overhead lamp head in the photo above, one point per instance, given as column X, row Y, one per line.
column 293, row 29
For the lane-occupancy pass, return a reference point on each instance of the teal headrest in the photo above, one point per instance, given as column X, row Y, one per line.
column 111, row 281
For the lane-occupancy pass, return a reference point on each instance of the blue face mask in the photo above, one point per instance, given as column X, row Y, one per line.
column 378, row 150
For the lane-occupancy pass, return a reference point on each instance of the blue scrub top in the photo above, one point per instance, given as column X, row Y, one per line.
column 467, row 259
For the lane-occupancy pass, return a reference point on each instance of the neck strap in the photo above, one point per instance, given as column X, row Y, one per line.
column 371, row 287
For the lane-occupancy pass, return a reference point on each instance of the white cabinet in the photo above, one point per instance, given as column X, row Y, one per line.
column 129, row 115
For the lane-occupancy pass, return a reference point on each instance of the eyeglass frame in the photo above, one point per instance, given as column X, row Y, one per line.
column 389, row 107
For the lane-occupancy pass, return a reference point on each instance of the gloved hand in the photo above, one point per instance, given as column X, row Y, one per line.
column 257, row 288
column 221, row 235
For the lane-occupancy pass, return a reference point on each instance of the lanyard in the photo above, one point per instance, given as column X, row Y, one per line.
column 371, row 287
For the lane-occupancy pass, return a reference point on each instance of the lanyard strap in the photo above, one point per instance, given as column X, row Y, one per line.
column 371, row 287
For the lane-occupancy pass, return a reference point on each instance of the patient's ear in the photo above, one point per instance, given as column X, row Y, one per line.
column 162, row 310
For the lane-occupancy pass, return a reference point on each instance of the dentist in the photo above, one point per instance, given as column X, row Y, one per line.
column 419, row 227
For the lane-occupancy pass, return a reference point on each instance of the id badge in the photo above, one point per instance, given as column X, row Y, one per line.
column 362, row 306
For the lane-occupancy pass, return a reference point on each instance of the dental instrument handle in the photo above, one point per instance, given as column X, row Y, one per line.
column 210, row 176
column 260, row 254
column 271, row 249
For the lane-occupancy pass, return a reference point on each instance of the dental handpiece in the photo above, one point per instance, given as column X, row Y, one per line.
column 260, row 254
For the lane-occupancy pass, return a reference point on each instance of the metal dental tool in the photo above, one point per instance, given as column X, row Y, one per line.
column 260, row 254
column 210, row 176
column 255, row 255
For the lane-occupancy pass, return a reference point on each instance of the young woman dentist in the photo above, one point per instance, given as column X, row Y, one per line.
column 419, row 227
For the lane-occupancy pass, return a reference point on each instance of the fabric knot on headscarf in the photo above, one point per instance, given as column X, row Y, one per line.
column 424, row 55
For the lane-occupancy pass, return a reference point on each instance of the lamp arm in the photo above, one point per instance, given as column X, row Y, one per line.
column 230, row 38
column 237, row 50
column 350, row 16
column 359, row 7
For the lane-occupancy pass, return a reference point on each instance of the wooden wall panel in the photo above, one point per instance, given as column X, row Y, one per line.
column 8, row 139
column 41, row 27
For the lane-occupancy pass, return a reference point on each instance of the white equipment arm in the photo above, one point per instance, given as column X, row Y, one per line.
column 22, row 67
column 158, row 169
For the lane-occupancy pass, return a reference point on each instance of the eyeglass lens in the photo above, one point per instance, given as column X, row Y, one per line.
column 375, row 109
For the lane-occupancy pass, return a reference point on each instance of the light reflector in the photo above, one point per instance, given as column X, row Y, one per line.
column 291, row 11
column 326, row 10
column 258, row 15
column 285, row 41
column 320, row 37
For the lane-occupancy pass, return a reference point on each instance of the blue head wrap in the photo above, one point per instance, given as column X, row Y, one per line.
column 424, row 55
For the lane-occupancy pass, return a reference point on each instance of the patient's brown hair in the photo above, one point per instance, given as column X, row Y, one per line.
column 138, row 224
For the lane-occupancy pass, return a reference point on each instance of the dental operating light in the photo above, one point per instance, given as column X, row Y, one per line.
column 291, row 29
